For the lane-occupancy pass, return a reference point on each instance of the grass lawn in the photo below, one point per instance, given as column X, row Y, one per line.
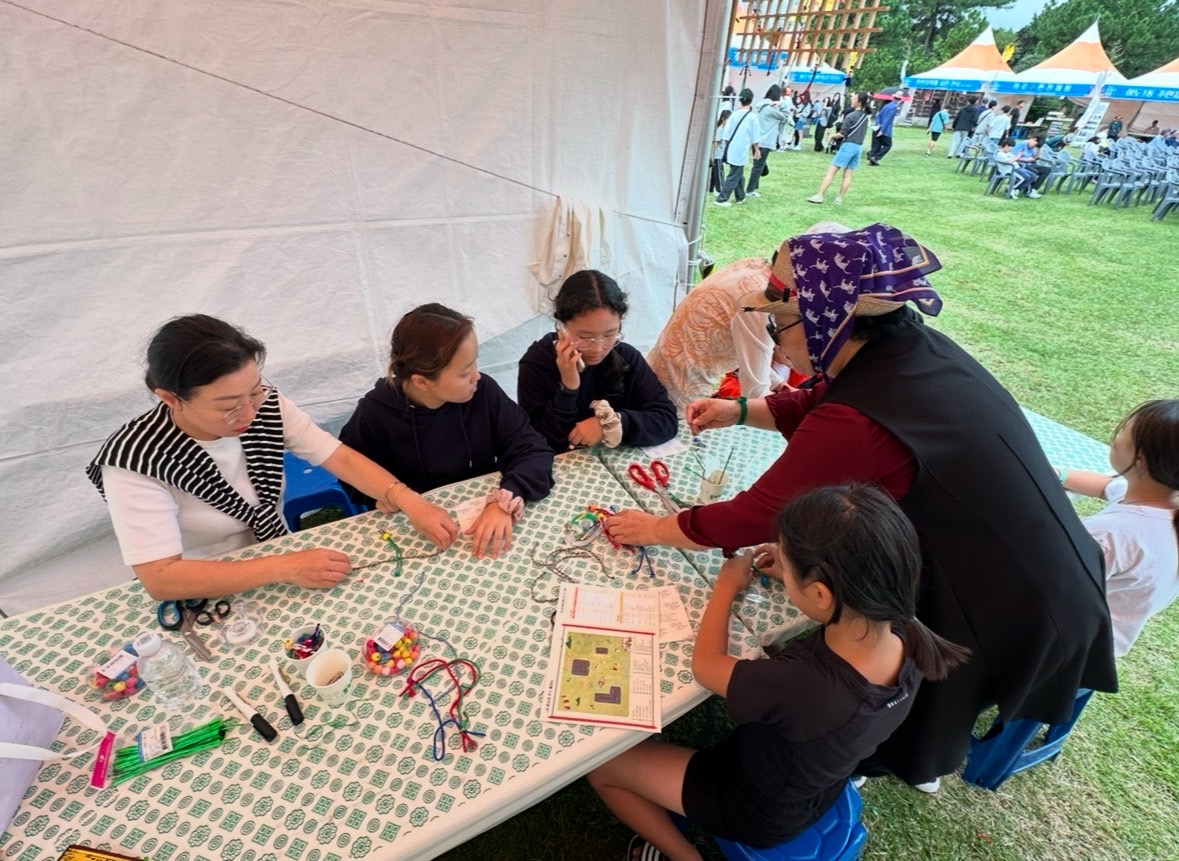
column 1070, row 306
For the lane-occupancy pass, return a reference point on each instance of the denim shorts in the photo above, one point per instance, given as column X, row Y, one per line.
column 847, row 156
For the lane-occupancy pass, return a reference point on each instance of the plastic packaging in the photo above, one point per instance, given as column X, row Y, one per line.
column 167, row 671
column 392, row 649
column 116, row 677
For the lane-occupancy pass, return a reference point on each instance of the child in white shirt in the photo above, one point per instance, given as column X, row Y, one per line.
column 1139, row 530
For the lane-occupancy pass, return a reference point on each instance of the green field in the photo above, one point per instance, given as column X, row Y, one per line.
column 1074, row 309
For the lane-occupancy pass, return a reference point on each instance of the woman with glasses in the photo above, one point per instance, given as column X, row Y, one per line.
column 434, row 419
column 1008, row 570
column 581, row 385
column 200, row 475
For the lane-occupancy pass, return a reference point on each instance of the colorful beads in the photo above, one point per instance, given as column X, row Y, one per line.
column 389, row 662
column 122, row 684
column 303, row 646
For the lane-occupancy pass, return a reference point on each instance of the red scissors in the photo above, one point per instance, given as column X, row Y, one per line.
column 656, row 481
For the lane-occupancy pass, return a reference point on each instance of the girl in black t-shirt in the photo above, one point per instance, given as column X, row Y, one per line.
column 849, row 559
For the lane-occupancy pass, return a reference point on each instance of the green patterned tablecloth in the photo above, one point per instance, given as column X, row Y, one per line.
column 368, row 787
column 765, row 610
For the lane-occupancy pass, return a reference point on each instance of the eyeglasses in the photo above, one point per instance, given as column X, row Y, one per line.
column 775, row 331
column 607, row 341
column 253, row 402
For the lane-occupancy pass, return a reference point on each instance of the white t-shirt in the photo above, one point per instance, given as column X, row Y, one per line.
column 1141, row 562
column 154, row 520
column 742, row 132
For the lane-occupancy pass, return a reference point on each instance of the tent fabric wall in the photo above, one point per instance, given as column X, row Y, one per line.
column 308, row 171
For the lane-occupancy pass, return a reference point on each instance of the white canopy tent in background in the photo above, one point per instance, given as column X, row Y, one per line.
column 308, row 171
column 1073, row 71
column 972, row 69
column 1153, row 97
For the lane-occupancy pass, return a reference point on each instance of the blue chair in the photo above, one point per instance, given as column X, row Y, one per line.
column 837, row 836
column 1005, row 751
column 310, row 488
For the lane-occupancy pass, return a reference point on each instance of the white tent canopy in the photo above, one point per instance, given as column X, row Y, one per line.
column 974, row 68
column 1161, row 85
column 1073, row 71
column 309, row 171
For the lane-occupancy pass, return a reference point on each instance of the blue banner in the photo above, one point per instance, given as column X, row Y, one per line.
column 802, row 76
column 758, row 58
column 1135, row 91
column 920, row 82
column 1033, row 88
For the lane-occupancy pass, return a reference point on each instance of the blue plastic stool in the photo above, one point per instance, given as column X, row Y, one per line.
column 1004, row 750
column 309, row 488
column 837, row 836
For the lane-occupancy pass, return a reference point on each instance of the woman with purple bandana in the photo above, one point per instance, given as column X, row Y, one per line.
column 1009, row 572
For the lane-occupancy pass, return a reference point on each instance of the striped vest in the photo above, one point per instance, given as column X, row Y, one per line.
column 154, row 446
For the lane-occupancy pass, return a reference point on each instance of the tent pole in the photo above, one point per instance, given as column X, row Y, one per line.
column 698, row 153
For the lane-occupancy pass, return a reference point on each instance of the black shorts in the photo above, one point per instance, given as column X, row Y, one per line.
column 714, row 800
column 935, row 135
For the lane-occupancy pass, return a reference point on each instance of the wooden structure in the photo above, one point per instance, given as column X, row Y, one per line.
column 797, row 34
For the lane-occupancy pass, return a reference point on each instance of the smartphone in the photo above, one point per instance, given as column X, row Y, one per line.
column 563, row 331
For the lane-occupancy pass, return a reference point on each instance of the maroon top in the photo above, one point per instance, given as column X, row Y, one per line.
column 829, row 444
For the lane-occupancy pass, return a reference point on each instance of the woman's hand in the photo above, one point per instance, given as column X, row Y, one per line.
column 767, row 559
column 430, row 520
column 586, row 432
column 737, row 572
column 632, row 527
column 316, row 569
column 568, row 359
column 491, row 532
column 711, row 413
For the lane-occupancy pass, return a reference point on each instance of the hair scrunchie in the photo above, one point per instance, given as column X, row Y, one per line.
column 508, row 503
column 610, row 422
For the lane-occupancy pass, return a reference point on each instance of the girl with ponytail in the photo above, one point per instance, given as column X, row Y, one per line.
column 849, row 559
column 1139, row 530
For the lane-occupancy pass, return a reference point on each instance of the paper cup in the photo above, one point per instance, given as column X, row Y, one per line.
column 713, row 486
column 300, row 664
column 330, row 674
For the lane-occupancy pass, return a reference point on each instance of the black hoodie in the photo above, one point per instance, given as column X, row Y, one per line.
column 428, row 448
column 623, row 378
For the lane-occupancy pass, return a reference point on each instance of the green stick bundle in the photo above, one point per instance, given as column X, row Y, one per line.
column 128, row 763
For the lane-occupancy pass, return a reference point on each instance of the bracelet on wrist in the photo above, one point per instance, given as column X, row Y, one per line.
column 1062, row 474
column 400, row 485
column 744, row 410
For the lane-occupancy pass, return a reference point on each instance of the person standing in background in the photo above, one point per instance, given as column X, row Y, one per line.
column 741, row 133
column 822, row 121
column 938, row 119
column 882, row 136
column 964, row 123
column 770, row 117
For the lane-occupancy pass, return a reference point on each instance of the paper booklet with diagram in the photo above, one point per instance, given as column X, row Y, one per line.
column 604, row 658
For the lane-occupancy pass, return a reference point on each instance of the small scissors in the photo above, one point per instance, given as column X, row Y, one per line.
column 181, row 615
column 656, row 481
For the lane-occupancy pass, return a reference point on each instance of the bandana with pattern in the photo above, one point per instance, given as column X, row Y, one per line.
column 832, row 271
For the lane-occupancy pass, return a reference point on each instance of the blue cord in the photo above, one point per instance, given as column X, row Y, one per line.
column 438, row 745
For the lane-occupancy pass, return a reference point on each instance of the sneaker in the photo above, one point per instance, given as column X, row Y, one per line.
column 927, row 153
column 815, row 198
column 753, row 194
column 858, row 780
column 1034, row 195
column 930, row 788
column 742, row 200
column 721, row 203
column 839, row 201
column 1013, row 194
